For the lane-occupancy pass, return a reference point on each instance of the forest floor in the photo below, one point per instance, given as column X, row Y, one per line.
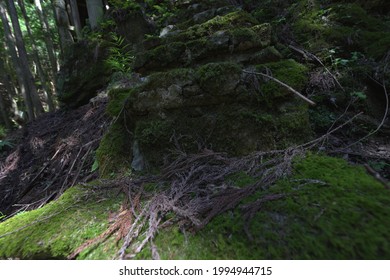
column 49, row 155
column 57, row 151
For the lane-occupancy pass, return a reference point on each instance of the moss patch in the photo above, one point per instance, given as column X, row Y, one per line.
column 345, row 215
column 287, row 71
column 345, row 25
column 216, row 78
column 114, row 152
column 55, row 230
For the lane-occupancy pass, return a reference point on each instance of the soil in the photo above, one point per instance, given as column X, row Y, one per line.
column 50, row 154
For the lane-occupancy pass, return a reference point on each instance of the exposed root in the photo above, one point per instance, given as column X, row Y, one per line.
column 196, row 189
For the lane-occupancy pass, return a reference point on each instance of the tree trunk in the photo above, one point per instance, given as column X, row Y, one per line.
column 47, row 38
column 95, row 12
column 9, row 39
column 3, row 107
column 63, row 25
column 23, row 58
column 76, row 18
column 41, row 73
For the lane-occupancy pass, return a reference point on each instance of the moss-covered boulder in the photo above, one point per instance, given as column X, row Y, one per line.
column 82, row 73
column 345, row 26
column 329, row 210
column 227, row 36
column 214, row 106
column 55, row 230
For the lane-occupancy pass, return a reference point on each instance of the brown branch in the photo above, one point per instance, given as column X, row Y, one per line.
column 314, row 57
column 284, row 85
column 377, row 176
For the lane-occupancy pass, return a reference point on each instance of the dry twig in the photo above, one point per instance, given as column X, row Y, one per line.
column 282, row 84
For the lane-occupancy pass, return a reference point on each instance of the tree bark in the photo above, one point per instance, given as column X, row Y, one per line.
column 41, row 74
column 63, row 25
column 23, row 58
column 95, row 12
column 48, row 41
column 9, row 39
column 3, row 107
column 76, row 19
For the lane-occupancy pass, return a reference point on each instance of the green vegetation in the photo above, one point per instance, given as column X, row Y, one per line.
column 345, row 25
column 190, row 90
column 119, row 59
column 114, row 151
column 330, row 210
column 216, row 78
column 287, row 71
column 54, row 231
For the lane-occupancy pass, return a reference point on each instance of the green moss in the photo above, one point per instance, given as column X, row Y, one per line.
column 83, row 73
column 321, row 118
column 55, row 230
column 292, row 125
column 217, row 77
column 258, row 35
column 269, row 54
column 129, row 6
column 240, row 179
column 287, row 71
column 178, row 76
column 203, row 41
column 114, row 152
column 153, row 132
column 347, row 26
column 229, row 21
column 343, row 216
column 376, row 44
column 118, row 98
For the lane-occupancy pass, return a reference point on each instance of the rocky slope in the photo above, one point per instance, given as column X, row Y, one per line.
column 211, row 153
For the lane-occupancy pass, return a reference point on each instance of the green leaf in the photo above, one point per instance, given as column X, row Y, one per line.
column 95, row 166
column 5, row 143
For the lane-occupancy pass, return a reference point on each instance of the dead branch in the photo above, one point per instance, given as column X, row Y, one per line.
column 314, row 57
column 377, row 176
column 284, row 85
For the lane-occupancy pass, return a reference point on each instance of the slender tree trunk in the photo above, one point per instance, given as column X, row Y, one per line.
column 95, row 12
column 3, row 107
column 63, row 25
column 48, row 38
column 24, row 58
column 76, row 18
column 12, row 90
column 41, row 74
column 9, row 39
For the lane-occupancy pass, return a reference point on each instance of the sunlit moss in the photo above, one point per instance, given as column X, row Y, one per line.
column 55, row 230
column 331, row 210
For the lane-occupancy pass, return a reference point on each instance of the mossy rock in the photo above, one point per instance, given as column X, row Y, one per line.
column 82, row 74
column 211, row 106
column 287, row 71
column 58, row 228
column 227, row 22
column 115, row 151
column 221, row 36
column 347, row 26
column 331, row 210
column 218, row 78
